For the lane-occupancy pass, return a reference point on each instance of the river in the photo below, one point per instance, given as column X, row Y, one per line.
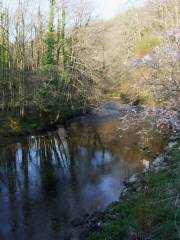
column 47, row 180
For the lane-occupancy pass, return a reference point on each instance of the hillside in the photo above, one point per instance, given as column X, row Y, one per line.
column 134, row 36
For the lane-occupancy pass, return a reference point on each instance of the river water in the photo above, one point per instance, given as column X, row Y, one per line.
column 47, row 180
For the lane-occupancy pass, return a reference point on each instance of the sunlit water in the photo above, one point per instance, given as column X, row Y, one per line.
column 48, row 180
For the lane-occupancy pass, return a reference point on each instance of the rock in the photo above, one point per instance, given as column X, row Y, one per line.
column 99, row 224
column 158, row 161
column 124, row 193
column 156, row 169
column 171, row 145
column 146, row 164
column 133, row 179
column 146, row 170
column 173, row 138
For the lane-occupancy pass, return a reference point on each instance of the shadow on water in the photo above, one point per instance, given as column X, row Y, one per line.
column 46, row 181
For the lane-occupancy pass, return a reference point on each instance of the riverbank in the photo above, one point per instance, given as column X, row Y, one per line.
column 12, row 124
column 150, row 205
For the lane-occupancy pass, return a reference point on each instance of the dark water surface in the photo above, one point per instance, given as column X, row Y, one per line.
column 48, row 180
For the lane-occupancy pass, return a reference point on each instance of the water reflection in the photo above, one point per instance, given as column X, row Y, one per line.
column 46, row 181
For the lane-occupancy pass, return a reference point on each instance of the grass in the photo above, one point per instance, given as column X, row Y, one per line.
column 152, row 212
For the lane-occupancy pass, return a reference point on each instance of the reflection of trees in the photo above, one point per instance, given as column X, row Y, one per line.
column 47, row 154
column 8, row 169
column 51, row 163
column 82, row 150
column 54, row 170
column 17, row 163
column 57, row 159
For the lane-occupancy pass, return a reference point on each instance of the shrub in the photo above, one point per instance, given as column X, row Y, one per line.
column 146, row 45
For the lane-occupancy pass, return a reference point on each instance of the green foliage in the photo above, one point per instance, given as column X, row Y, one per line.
column 50, row 46
column 146, row 45
column 48, row 96
column 4, row 39
column 51, row 71
column 50, row 38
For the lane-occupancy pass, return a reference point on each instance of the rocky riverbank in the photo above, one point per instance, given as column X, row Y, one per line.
column 133, row 216
column 149, row 205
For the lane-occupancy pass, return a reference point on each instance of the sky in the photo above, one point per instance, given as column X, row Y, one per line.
column 110, row 8
column 105, row 8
